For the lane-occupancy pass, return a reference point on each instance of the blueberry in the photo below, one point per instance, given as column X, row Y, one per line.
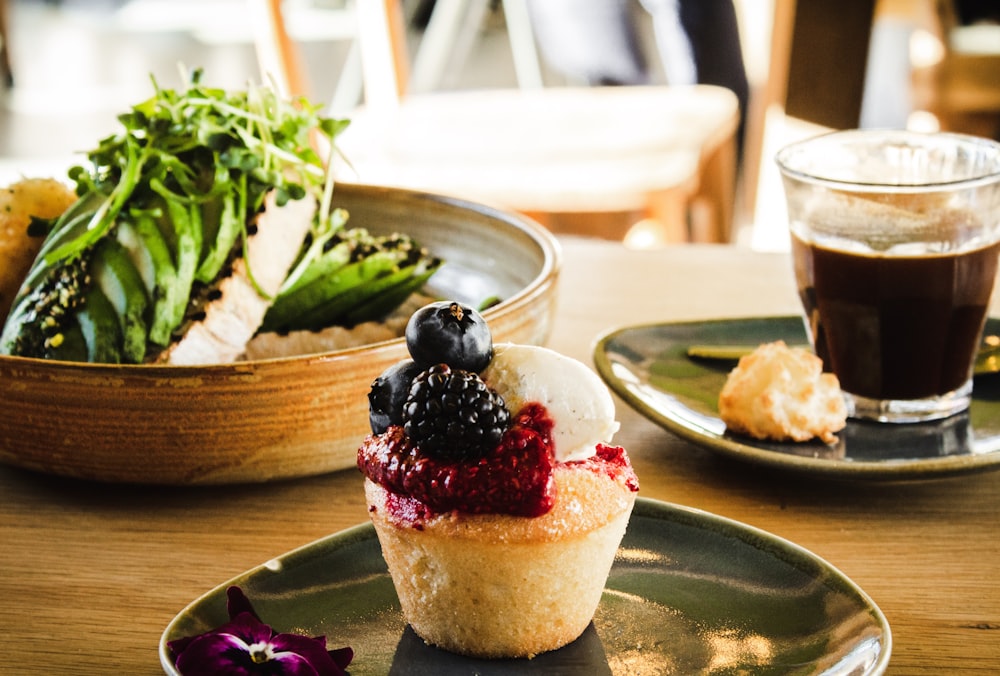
column 450, row 333
column 388, row 394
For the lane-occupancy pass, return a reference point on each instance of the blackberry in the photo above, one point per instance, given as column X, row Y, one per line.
column 453, row 414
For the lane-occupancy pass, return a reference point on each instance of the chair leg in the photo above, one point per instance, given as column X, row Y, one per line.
column 6, row 71
column 670, row 208
column 451, row 32
column 527, row 65
column 712, row 204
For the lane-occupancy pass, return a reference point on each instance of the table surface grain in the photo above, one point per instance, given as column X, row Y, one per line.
column 91, row 574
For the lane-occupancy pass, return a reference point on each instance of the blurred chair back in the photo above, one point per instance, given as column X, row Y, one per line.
column 589, row 160
column 962, row 90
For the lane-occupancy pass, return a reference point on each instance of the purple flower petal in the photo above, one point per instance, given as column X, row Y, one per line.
column 342, row 656
column 312, row 649
column 222, row 654
column 248, row 628
column 237, row 603
column 245, row 646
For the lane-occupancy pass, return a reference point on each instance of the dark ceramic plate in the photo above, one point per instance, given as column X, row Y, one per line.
column 648, row 366
column 689, row 592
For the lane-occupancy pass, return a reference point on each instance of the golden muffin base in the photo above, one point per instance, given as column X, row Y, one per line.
column 504, row 586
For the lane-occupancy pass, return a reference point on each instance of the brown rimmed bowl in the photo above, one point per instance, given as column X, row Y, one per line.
column 264, row 420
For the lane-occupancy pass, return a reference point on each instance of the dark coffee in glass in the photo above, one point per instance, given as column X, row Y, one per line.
column 895, row 242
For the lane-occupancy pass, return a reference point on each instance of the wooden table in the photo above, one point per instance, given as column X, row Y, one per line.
column 90, row 574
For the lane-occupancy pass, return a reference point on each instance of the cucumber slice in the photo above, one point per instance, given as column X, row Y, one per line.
column 334, row 310
column 315, row 286
column 229, row 226
column 72, row 223
column 324, row 257
column 322, row 266
column 67, row 228
column 298, row 310
column 387, row 300
column 167, row 302
column 117, row 278
column 41, row 314
column 166, row 227
column 195, row 232
column 211, row 221
column 138, row 253
column 100, row 327
column 183, row 239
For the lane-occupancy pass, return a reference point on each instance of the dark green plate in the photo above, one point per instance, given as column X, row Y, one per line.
column 689, row 593
column 649, row 368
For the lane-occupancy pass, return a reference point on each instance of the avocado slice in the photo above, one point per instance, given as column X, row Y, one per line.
column 150, row 254
column 117, row 278
column 100, row 327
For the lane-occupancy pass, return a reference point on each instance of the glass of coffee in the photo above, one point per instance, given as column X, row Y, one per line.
column 895, row 243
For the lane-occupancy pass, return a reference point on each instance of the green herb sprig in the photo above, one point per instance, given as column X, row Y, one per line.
column 196, row 144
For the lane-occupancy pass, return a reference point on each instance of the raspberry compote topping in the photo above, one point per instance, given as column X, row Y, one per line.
column 613, row 461
column 516, row 478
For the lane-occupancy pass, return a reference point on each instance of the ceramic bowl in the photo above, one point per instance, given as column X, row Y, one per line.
column 263, row 420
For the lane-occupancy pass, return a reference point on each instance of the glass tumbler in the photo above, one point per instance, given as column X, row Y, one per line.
column 895, row 242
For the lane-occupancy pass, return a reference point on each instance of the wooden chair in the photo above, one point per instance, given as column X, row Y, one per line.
column 963, row 89
column 6, row 70
column 589, row 161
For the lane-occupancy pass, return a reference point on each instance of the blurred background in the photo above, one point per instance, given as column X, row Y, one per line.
column 73, row 65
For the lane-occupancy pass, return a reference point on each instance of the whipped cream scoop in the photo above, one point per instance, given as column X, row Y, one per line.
column 580, row 405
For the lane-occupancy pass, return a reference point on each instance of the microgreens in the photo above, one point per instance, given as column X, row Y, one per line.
column 200, row 143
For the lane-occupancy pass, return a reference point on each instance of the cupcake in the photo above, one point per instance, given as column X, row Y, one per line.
column 498, row 500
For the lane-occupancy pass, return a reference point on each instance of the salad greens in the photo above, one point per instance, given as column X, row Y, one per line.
column 166, row 205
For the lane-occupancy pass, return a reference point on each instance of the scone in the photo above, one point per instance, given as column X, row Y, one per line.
column 498, row 502
column 781, row 393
